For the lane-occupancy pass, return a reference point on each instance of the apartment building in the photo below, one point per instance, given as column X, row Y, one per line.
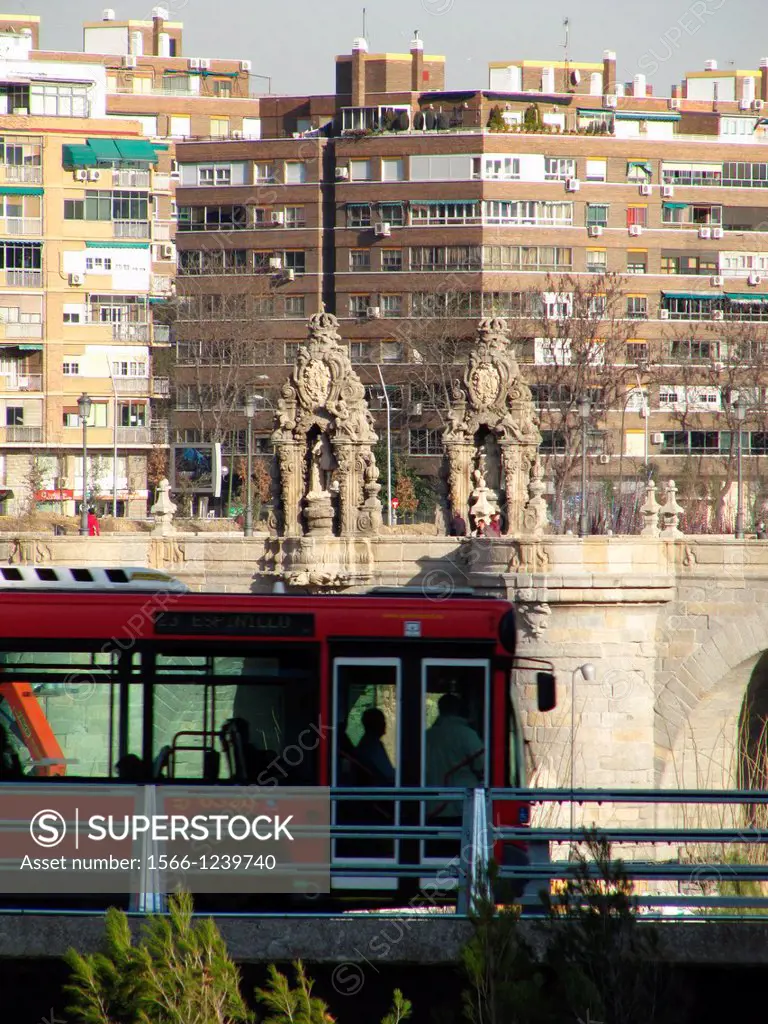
column 412, row 207
column 81, row 271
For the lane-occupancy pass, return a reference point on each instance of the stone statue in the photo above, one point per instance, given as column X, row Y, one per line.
column 163, row 510
column 483, row 501
column 321, row 468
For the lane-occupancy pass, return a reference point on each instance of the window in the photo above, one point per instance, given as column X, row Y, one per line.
column 637, row 261
column 263, row 173
column 131, row 414
column 597, row 261
column 359, row 170
column 295, row 172
column 358, row 215
column 360, row 351
column 72, row 317
column 637, row 215
column 359, row 259
column 438, row 212
column 693, row 351
column 176, row 83
column 670, row 264
column 294, row 305
column 359, row 304
column 691, row 174
column 294, row 217
column 295, row 260
column 527, row 257
column 14, row 416
column 637, row 307
column 129, row 368
column 596, row 307
column 98, row 264
column 222, row 87
column 558, row 169
column 71, row 369
column 496, row 168
column 597, row 215
column 542, row 214
column 291, row 351
column 214, row 174
column 391, row 305
column 392, row 214
column 55, row 100
column 392, row 168
column 596, row 170
column 446, row 257
column 744, row 175
column 639, row 171
column 220, row 127
column 637, row 352
column 425, row 442
column 392, row 352
column 391, row 259
column 441, row 168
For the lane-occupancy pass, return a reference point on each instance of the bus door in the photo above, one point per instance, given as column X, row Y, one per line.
column 456, row 734
column 366, row 754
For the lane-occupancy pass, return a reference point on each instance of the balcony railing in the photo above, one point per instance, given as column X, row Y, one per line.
column 131, row 385
column 25, row 382
column 162, row 183
column 24, row 278
column 9, row 332
column 162, row 230
column 130, row 332
column 131, row 228
column 160, row 284
column 158, row 432
column 24, row 435
column 161, row 334
column 130, row 177
column 15, row 172
column 133, row 435
column 21, row 225
column 161, row 387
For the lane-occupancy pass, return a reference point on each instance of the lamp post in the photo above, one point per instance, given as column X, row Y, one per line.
column 585, row 408
column 741, row 413
column 588, row 672
column 84, row 408
column 250, row 409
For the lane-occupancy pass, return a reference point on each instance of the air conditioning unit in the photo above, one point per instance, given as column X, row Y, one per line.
column 645, row 190
column 657, row 439
column 289, row 274
column 663, row 314
column 382, row 229
column 717, row 233
column 76, row 279
column 342, row 173
column 667, row 191
column 275, row 263
column 757, row 104
column 744, row 104
column 278, row 217
column 595, row 230
column 416, row 409
column 245, row 65
column 81, row 175
column 129, row 61
column 674, row 103
column 609, row 101
column 373, row 312
column 754, row 279
column 705, row 232
column 166, row 251
column 194, row 63
column 604, row 459
column 175, row 176
column 718, row 281
column 572, row 184
column 94, row 175
column 717, row 314
column 635, row 229
column 204, row 64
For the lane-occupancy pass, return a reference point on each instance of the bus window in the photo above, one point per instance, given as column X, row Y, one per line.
column 246, row 719
column 455, row 728
column 366, row 751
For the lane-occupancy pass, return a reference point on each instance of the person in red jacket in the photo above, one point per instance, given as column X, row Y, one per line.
column 93, row 524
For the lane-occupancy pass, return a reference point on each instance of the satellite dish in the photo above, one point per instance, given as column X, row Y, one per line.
column 429, row 120
column 575, row 76
column 418, row 121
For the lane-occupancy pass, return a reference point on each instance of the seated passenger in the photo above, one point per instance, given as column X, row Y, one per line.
column 10, row 765
column 370, row 752
column 130, row 768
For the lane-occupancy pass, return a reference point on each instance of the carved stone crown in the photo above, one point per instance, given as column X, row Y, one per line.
column 492, row 325
column 323, row 325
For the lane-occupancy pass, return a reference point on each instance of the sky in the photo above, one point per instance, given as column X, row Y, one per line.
column 295, row 42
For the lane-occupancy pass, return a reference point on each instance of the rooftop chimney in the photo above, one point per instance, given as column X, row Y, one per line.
column 417, row 64
column 638, row 85
column 359, row 50
column 764, row 79
column 710, row 65
column 159, row 15
column 108, row 14
column 609, row 72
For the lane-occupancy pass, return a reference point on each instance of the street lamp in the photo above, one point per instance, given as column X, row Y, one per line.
column 741, row 413
column 585, row 408
column 250, row 409
column 84, row 408
column 588, row 673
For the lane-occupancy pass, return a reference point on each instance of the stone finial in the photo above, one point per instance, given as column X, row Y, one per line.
column 163, row 509
column 671, row 512
column 535, row 518
column 650, row 511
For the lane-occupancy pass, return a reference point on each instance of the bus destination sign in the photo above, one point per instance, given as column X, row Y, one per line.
column 234, row 624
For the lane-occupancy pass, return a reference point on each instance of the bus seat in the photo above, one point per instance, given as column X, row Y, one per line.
column 162, row 762
column 211, row 765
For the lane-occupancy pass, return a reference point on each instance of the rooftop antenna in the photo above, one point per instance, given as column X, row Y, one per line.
column 364, row 35
column 567, row 27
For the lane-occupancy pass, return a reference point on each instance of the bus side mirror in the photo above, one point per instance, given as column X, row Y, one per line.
column 546, row 694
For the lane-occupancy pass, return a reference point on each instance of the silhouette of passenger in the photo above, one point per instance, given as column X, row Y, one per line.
column 10, row 765
column 130, row 768
column 370, row 751
column 454, row 754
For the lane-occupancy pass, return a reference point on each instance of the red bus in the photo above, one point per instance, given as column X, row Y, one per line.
column 123, row 673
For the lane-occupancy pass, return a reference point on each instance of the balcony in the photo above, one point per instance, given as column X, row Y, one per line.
column 158, row 432
column 161, row 387
column 133, row 435
column 21, row 435
column 162, row 230
column 131, row 228
column 21, row 225
column 131, row 385
column 160, row 284
column 24, row 278
column 12, row 332
column 161, row 334
column 30, row 175
column 161, row 183
column 23, row 382
column 130, row 177
column 130, row 332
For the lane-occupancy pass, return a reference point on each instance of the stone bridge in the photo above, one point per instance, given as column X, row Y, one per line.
column 676, row 629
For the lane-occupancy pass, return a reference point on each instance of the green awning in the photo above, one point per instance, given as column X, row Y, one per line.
column 708, row 296
column 73, row 157
column 640, row 163
column 627, row 115
column 745, row 297
column 136, row 149
column 442, row 202
column 20, row 190
column 117, row 245
column 30, row 348
column 105, row 150
column 674, row 206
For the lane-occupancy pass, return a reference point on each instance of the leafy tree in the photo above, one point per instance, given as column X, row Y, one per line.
column 496, row 122
column 292, row 1005
column 532, row 118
